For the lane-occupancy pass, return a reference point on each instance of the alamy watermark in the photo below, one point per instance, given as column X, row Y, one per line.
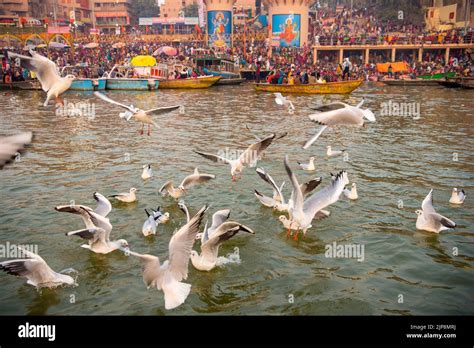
column 9, row 250
column 232, row 155
column 392, row 108
column 345, row 251
column 80, row 109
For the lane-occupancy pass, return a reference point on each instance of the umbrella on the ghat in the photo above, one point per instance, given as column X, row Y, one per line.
column 168, row 50
column 58, row 45
column 143, row 61
column 41, row 46
column 92, row 45
column 118, row 45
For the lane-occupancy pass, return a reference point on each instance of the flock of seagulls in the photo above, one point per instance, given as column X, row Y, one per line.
column 307, row 204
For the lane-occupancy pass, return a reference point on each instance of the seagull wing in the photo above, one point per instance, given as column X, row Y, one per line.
column 310, row 185
column 150, row 268
column 212, row 157
column 427, row 204
column 162, row 110
column 103, row 205
column 296, row 194
column 45, row 69
column 218, row 218
column 10, row 146
column 254, row 151
column 111, row 101
column 267, row 178
column 195, row 179
column 181, row 244
column 326, row 196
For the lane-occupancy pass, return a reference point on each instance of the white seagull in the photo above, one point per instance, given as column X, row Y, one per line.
column 278, row 202
column 169, row 275
column 302, row 211
column 188, row 182
column 308, row 166
column 429, row 220
column 126, row 197
column 332, row 153
column 147, row 173
column 281, row 100
column 153, row 219
column 36, row 270
column 249, row 157
column 12, row 146
column 211, row 241
column 352, row 193
column 338, row 114
column 457, row 196
column 139, row 115
column 47, row 73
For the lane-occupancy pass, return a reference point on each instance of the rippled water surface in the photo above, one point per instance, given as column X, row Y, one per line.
column 396, row 158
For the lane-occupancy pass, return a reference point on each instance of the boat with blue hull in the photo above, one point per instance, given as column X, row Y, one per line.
column 123, row 78
column 83, row 83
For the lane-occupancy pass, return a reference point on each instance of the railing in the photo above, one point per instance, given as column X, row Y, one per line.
column 394, row 40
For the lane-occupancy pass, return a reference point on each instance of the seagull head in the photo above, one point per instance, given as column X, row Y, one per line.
column 354, row 185
column 124, row 244
column 181, row 204
column 419, row 212
column 194, row 254
column 455, row 190
column 133, row 190
column 283, row 218
column 311, row 159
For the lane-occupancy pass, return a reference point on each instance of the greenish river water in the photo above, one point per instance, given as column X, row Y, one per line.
column 395, row 160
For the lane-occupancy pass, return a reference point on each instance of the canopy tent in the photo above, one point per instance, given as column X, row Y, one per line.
column 143, row 61
column 396, row 67
column 168, row 50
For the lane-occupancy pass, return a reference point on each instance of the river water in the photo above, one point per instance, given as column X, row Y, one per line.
column 394, row 162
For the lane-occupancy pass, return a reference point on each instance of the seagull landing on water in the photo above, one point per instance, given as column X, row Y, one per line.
column 212, row 238
column 188, row 182
column 12, row 146
column 429, row 220
column 278, row 202
column 126, row 197
column 281, row 100
column 147, row 172
column 139, row 115
column 338, row 114
column 302, row 211
column 352, row 193
column 36, row 270
column 169, row 275
column 249, row 157
column 47, row 73
column 308, row 166
column 332, row 153
column 457, row 196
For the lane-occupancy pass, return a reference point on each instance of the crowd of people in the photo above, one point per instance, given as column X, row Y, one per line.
column 253, row 51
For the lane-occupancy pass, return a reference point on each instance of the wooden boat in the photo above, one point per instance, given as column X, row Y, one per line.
column 230, row 81
column 83, row 84
column 189, row 83
column 437, row 76
column 458, row 82
column 411, row 82
column 342, row 87
column 22, row 85
column 120, row 78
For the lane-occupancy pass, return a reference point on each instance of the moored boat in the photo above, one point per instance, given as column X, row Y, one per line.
column 121, row 78
column 230, row 81
column 341, row 87
column 410, row 82
column 438, row 76
column 458, row 82
column 189, row 83
column 22, row 85
column 81, row 83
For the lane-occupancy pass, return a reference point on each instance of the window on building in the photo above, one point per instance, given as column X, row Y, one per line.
column 451, row 15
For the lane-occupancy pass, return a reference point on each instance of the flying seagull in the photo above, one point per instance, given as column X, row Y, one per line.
column 143, row 116
column 281, row 100
column 338, row 114
column 12, row 146
column 36, row 270
column 249, row 157
column 47, row 73
column 188, row 182
column 429, row 220
column 169, row 275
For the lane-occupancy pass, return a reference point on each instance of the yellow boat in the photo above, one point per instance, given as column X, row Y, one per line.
column 192, row 82
column 342, row 87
